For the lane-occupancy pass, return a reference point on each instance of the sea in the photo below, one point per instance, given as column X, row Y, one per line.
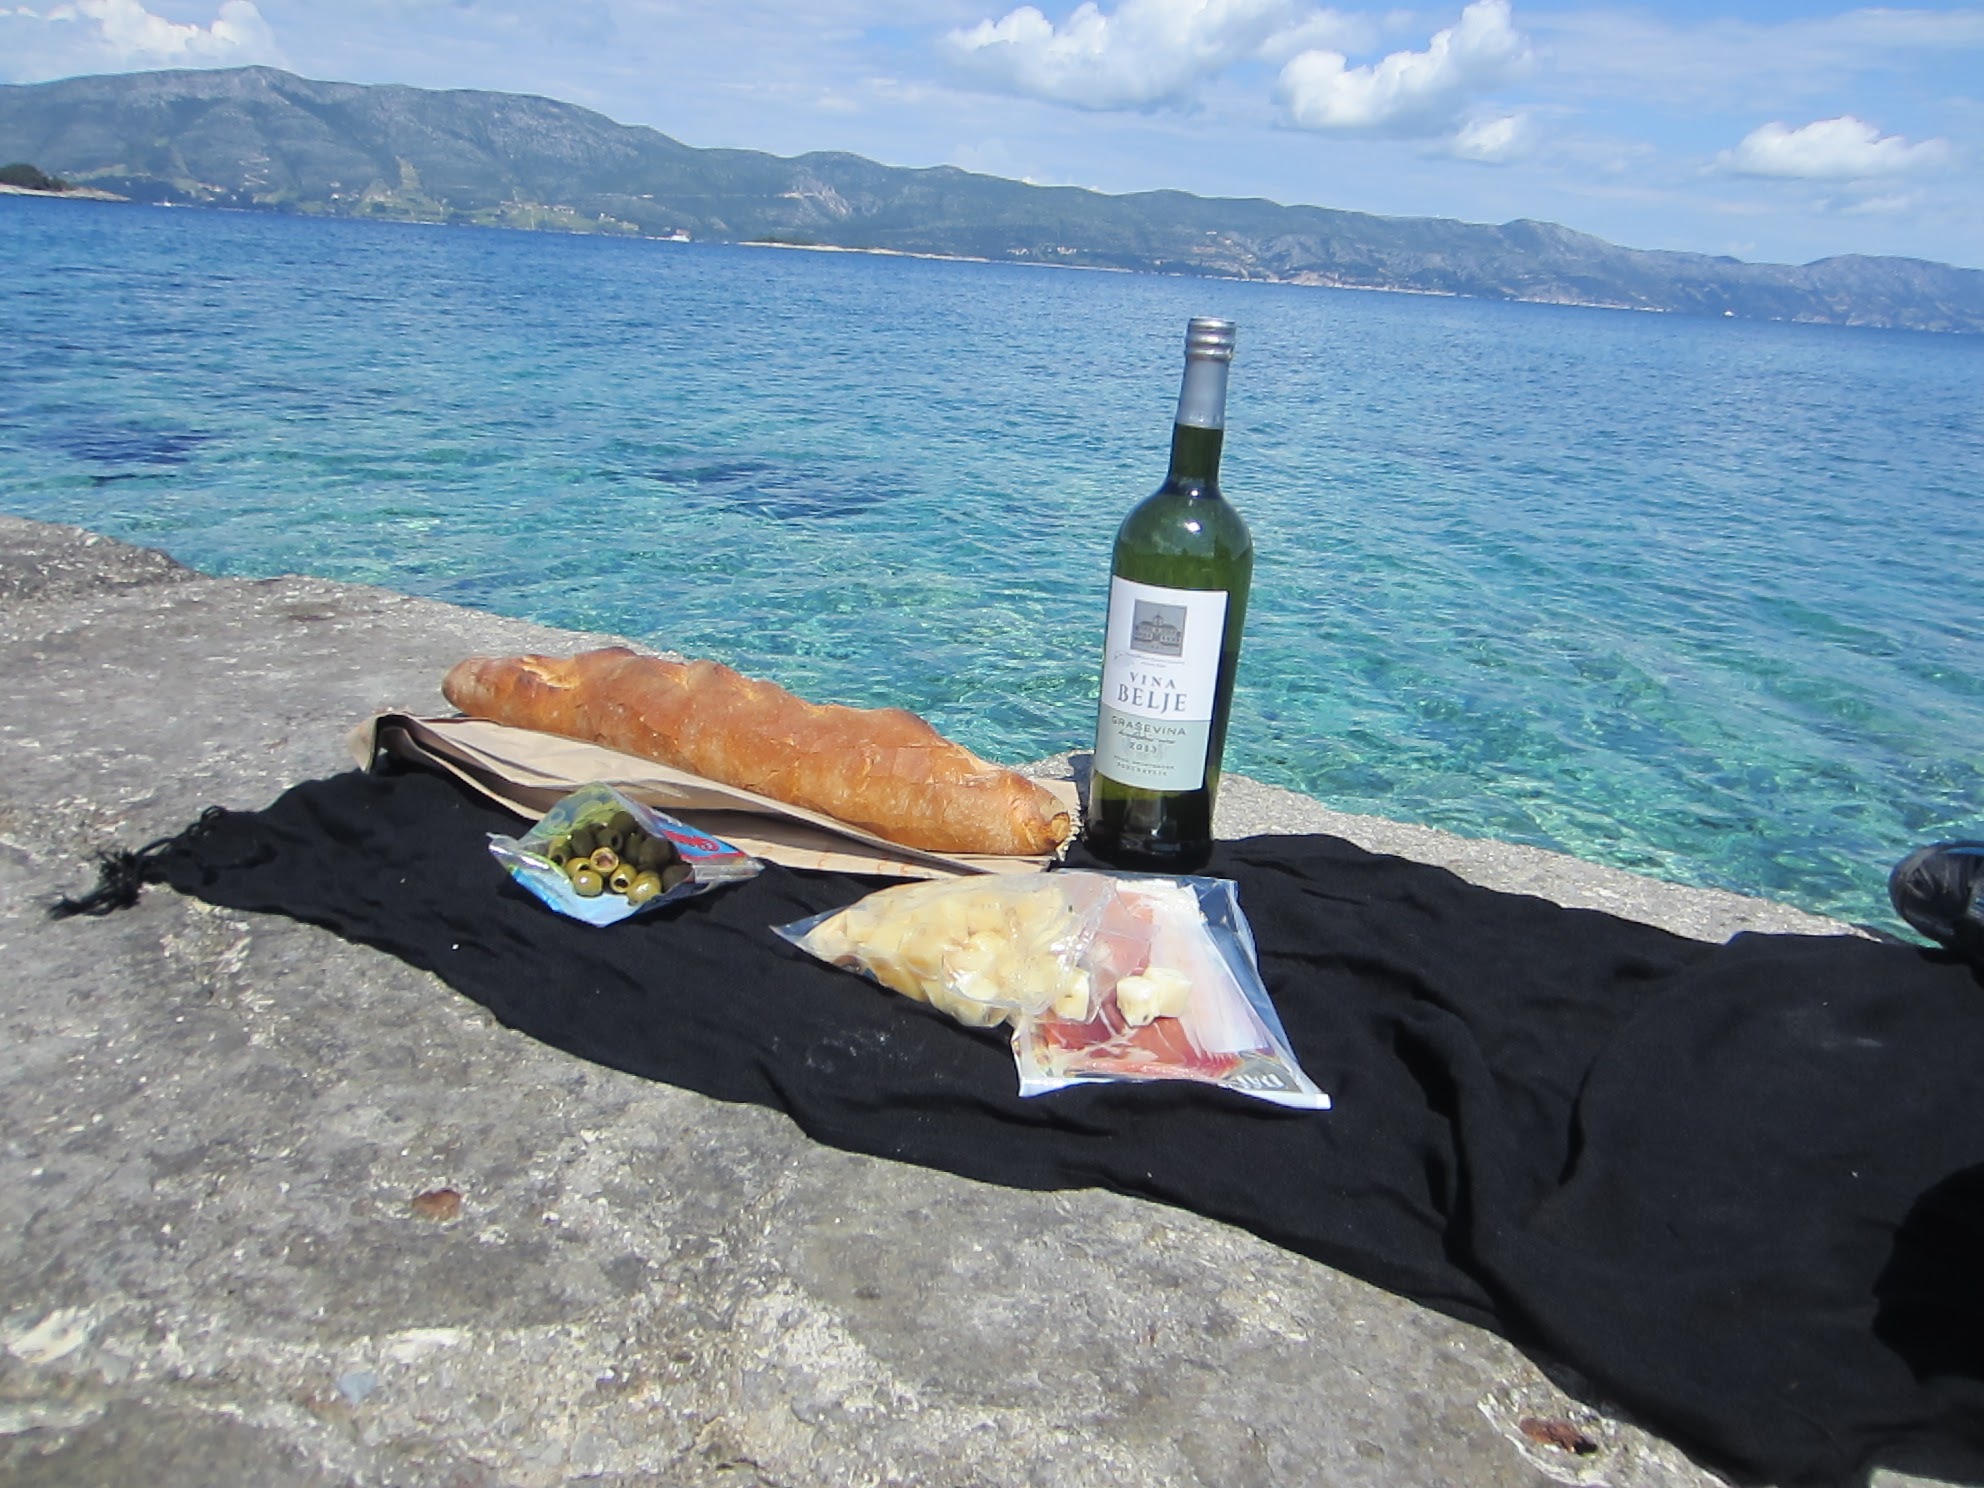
column 1698, row 598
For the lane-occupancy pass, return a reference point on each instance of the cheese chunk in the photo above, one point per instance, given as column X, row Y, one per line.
column 1158, row 992
column 978, row 949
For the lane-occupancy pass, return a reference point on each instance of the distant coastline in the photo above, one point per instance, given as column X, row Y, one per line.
column 977, row 258
column 259, row 139
column 75, row 193
column 1298, row 281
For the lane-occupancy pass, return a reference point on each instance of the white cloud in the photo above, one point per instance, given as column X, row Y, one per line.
column 1893, row 205
column 1148, row 52
column 1326, row 30
column 1605, row 53
column 1413, row 94
column 121, row 34
column 1940, row 30
column 1492, row 140
column 1842, row 149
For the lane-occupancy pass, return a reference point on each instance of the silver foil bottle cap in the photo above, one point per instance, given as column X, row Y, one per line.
column 1209, row 338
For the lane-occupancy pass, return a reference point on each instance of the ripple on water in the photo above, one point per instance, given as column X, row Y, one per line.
column 1682, row 596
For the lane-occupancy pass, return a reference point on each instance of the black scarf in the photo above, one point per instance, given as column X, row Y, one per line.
column 1740, row 1188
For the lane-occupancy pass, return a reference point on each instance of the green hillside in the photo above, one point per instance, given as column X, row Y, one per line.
column 259, row 138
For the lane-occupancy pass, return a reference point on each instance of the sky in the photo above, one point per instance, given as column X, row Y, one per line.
column 1773, row 130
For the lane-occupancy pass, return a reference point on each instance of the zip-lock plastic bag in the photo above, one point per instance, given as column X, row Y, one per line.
column 987, row 949
column 1102, row 976
column 638, row 858
column 1220, row 1028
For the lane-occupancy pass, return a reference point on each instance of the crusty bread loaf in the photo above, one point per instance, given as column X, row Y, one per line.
column 881, row 769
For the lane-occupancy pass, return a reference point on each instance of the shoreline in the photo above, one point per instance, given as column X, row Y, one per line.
column 1301, row 279
column 1246, row 806
column 76, row 193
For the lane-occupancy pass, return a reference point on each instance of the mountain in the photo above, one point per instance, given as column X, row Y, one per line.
column 258, row 138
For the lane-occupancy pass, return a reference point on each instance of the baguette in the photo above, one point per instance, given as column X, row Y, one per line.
column 884, row 770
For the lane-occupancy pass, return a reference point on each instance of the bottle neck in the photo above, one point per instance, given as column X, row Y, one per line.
column 1195, row 456
column 1199, row 432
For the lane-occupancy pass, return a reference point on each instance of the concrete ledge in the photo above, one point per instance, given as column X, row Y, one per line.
column 286, row 1211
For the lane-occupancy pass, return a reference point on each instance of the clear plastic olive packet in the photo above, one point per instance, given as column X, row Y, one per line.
column 601, row 857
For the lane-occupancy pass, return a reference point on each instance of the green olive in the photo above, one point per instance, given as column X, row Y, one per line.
column 587, row 884
column 582, row 841
column 643, row 888
column 622, row 822
column 621, row 878
column 604, row 859
column 673, row 874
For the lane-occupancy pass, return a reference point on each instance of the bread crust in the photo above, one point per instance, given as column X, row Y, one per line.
column 884, row 770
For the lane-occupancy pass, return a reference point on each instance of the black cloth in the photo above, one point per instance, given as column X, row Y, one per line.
column 1739, row 1188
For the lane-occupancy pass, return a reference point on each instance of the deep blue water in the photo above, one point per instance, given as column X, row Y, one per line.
column 1700, row 598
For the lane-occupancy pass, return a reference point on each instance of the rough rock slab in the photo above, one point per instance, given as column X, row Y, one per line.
column 282, row 1210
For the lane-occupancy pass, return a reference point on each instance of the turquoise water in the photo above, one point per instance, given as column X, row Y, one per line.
column 1697, row 598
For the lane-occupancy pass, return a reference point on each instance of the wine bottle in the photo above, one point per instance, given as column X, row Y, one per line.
column 1177, row 600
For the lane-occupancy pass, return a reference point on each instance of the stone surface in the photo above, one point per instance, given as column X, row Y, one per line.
column 227, row 1141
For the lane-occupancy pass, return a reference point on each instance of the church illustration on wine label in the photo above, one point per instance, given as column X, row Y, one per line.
column 1158, row 629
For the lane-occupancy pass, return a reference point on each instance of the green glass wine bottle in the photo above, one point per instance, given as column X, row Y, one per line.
column 1177, row 601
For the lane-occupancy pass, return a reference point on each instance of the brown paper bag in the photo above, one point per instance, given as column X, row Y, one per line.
column 529, row 771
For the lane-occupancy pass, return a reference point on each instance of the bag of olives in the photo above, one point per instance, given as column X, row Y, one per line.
column 599, row 856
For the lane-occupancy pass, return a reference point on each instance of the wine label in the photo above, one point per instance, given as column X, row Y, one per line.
column 1160, row 664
